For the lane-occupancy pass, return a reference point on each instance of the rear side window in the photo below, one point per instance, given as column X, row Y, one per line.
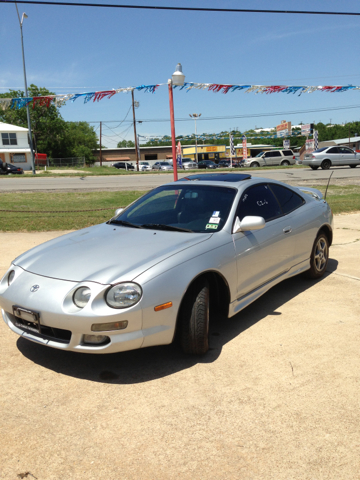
column 288, row 152
column 288, row 200
column 276, row 154
column 258, row 201
column 333, row 150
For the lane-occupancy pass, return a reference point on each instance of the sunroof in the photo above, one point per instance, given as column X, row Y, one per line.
column 217, row 177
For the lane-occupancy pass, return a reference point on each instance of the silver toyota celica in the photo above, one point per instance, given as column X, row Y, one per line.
column 159, row 266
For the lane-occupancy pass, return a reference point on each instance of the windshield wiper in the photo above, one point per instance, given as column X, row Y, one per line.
column 124, row 223
column 161, row 226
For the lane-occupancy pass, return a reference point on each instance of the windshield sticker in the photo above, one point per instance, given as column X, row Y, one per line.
column 211, row 226
column 216, row 214
column 214, row 220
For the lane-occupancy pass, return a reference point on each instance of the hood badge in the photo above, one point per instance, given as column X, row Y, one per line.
column 34, row 288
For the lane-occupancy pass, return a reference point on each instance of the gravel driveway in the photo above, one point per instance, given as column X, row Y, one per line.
column 276, row 397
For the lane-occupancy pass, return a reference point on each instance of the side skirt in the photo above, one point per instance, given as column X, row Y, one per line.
column 242, row 302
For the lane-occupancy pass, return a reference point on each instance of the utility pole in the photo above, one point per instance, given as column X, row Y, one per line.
column 100, row 146
column 195, row 116
column 135, row 136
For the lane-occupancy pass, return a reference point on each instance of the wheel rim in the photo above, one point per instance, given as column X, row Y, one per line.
column 326, row 165
column 321, row 254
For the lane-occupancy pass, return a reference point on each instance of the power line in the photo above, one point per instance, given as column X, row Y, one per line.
column 230, row 117
column 187, row 9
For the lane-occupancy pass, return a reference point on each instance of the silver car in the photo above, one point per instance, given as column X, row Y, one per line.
column 327, row 157
column 160, row 265
column 189, row 164
column 162, row 166
column 271, row 158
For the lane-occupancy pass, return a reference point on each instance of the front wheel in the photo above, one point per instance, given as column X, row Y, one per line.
column 194, row 319
column 313, row 168
column 319, row 256
column 352, row 166
column 285, row 163
column 326, row 164
column 255, row 164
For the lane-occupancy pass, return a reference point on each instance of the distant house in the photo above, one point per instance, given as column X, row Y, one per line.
column 14, row 146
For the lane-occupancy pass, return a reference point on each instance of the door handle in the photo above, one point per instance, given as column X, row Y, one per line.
column 287, row 230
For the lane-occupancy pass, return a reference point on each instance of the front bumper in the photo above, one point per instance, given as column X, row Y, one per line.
column 64, row 326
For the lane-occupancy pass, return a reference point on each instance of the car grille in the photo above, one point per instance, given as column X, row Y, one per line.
column 49, row 333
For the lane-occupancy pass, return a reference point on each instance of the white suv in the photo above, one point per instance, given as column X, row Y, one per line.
column 271, row 158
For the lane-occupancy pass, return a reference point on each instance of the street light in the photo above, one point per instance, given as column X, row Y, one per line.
column 26, row 92
column 177, row 79
column 195, row 116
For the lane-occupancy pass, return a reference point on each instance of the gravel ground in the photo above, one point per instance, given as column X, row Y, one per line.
column 276, row 397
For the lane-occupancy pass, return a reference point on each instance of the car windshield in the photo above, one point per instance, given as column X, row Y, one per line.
column 196, row 208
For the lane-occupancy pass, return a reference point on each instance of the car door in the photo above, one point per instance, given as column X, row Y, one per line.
column 348, row 156
column 334, row 155
column 262, row 255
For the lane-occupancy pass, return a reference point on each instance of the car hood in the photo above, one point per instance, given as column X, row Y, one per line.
column 106, row 253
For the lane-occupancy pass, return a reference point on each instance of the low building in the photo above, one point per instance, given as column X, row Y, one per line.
column 14, row 146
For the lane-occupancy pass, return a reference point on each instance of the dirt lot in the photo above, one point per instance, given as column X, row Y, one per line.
column 277, row 396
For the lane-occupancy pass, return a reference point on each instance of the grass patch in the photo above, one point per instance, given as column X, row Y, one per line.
column 57, row 211
column 60, row 211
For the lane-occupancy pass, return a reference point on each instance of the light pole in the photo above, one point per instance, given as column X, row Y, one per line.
column 135, row 104
column 195, row 116
column 177, row 79
column 26, row 92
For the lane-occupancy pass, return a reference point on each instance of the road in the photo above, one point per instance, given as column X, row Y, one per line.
column 292, row 176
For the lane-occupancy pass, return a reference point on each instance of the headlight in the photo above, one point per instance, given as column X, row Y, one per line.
column 82, row 296
column 123, row 295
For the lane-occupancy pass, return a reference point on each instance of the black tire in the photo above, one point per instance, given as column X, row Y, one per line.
column 352, row 166
column 326, row 164
column 255, row 164
column 319, row 256
column 285, row 163
column 313, row 168
column 194, row 319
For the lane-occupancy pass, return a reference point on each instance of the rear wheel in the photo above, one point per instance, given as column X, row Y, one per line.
column 352, row 166
column 255, row 164
column 285, row 163
column 326, row 164
column 319, row 256
column 194, row 319
column 313, row 168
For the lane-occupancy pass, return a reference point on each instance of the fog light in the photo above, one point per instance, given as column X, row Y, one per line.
column 95, row 339
column 11, row 277
column 103, row 327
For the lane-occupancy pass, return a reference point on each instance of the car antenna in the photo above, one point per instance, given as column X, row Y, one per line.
column 327, row 186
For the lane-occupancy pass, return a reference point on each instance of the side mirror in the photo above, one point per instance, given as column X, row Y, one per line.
column 248, row 223
column 118, row 211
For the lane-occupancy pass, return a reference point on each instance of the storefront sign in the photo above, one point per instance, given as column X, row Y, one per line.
column 283, row 129
column 307, row 129
column 309, row 146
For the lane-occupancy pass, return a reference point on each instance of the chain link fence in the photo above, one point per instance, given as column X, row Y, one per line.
column 66, row 162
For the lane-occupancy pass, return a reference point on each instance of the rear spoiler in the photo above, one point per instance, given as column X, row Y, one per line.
column 312, row 191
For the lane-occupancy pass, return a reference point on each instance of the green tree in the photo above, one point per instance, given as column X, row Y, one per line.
column 126, row 143
column 53, row 135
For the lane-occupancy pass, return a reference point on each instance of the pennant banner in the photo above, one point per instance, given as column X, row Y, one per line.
column 58, row 100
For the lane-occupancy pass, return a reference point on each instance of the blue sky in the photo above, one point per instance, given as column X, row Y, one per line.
column 78, row 49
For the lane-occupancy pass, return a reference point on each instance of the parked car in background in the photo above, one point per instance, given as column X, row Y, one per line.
column 162, row 166
column 144, row 166
column 207, row 164
column 327, row 157
column 124, row 166
column 189, row 164
column 271, row 158
column 214, row 240
column 8, row 169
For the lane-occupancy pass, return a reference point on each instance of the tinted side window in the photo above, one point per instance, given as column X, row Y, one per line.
column 333, row 150
column 276, row 154
column 288, row 152
column 345, row 150
column 258, row 201
column 288, row 199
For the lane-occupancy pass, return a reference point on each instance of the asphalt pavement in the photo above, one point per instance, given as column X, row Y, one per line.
column 292, row 176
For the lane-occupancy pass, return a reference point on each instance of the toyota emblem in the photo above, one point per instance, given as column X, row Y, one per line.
column 34, row 288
